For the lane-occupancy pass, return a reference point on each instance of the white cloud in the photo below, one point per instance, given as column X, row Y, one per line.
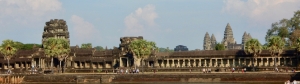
column 141, row 21
column 84, row 31
column 262, row 11
column 27, row 11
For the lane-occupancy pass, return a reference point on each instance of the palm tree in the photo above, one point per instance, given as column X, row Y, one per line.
column 275, row 46
column 64, row 50
column 56, row 47
column 141, row 49
column 254, row 48
column 8, row 49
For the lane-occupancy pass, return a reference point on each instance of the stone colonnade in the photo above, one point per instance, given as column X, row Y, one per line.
column 221, row 62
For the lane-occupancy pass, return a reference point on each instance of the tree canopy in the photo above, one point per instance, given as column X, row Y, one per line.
column 286, row 29
column 56, row 46
column 219, row 46
column 86, row 45
column 8, row 48
column 142, row 48
column 253, row 47
column 275, row 45
column 100, row 48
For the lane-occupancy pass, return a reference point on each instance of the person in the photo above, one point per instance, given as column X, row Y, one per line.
column 242, row 70
column 203, row 70
column 126, row 72
column 276, row 69
column 232, row 70
column 245, row 70
column 137, row 70
column 209, row 70
column 121, row 71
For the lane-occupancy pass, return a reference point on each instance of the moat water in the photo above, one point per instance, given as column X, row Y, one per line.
column 174, row 83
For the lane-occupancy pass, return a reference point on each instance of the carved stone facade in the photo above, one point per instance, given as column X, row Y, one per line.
column 55, row 28
column 228, row 41
column 209, row 42
column 245, row 38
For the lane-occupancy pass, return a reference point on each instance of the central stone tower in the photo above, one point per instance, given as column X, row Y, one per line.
column 56, row 28
column 228, row 36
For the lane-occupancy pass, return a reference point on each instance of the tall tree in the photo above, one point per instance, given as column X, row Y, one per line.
column 64, row 50
column 56, row 47
column 8, row 49
column 275, row 47
column 219, row 46
column 280, row 29
column 86, row 45
column 254, row 48
column 295, row 20
column 141, row 49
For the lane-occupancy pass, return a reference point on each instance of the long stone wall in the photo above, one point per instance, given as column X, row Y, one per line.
column 194, row 77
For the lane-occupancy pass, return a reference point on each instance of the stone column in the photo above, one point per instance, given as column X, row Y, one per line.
column 178, row 63
column 228, row 63
column 233, row 62
column 199, row 63
column 210, row 62
column 189, row 63
column 268, row 62
column 121, row 62
column 114, row 62
column 205, row 65
column 278, row 62
column 183, row 64
column 261, row 62
column 222, row 64
column 80, row 64
column 194, row 63
column 168, row 64
column 156, row 63
column 128, row 62
column 173, row 64
column 216, row 63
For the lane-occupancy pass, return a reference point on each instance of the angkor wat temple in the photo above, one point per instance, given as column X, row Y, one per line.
column 118, row 57
column 228, row 40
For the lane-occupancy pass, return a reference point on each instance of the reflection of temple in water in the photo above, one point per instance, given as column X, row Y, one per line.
column 92, row 59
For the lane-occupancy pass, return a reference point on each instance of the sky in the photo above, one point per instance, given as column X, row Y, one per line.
column 167, row 22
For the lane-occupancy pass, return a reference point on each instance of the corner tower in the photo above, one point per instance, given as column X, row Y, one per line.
column 207, row 42
column 56, row 28
column 213, row 41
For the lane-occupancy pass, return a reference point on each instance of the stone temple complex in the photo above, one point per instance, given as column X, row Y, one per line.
column 228, row 41
column 92, row 60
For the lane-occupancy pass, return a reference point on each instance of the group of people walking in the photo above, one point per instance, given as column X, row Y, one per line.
column 127, row 71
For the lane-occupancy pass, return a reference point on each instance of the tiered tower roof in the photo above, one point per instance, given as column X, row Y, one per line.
column 207, row 42
column 228, row 35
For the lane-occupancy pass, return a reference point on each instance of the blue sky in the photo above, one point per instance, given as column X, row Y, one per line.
column 167, row 22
